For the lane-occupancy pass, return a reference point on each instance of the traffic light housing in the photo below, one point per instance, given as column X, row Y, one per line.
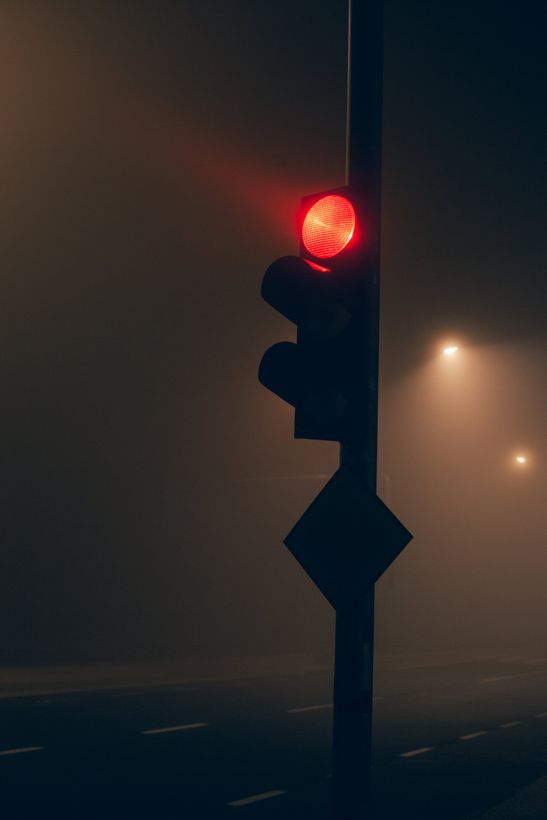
column 326, row 292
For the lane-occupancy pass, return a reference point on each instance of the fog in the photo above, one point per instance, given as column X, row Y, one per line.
column 152, row 164
column 474, row 576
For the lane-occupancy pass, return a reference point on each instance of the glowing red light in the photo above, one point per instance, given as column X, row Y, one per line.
column 328, row 226
column 315, row 266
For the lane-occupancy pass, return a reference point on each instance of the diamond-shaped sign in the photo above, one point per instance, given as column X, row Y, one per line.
column 346, row 539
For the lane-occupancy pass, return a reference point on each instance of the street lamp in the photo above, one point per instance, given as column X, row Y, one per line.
column 451, row 350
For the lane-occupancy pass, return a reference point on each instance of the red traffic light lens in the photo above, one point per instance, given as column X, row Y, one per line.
column 328, row 226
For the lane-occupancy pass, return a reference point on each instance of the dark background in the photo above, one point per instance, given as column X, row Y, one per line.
column 152, row 157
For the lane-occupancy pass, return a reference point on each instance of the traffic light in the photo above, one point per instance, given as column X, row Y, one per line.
column 326, row 292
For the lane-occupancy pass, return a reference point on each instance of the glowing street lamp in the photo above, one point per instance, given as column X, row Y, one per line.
column 521, row 459
column 451, row 350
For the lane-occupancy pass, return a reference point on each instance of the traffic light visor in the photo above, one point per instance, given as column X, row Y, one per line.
column 328, row 226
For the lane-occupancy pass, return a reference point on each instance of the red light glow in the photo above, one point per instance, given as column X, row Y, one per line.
column 328, row 226
column 315, row 266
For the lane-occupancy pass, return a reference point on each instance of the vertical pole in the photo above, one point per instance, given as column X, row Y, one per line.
column 353, row 669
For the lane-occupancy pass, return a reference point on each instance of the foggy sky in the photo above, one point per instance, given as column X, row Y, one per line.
column 152, row 162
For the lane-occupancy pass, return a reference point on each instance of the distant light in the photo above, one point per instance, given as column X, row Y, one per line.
column 520, row 459
column 450, row 351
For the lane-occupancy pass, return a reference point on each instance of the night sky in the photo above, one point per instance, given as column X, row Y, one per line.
column 153, row 155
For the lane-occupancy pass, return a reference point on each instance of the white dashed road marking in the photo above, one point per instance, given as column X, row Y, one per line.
column 309, row 708
column 416, row 752
column 472, row 735
column 254, row 798
column 541, row 715
column 165, row 729
column 510, row 724
column 5, row 752
column 512, row 677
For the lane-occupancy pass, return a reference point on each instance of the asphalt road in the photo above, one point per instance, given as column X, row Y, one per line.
column 451, row 739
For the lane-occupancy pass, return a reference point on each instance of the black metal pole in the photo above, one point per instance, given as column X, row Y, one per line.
column 353, row 670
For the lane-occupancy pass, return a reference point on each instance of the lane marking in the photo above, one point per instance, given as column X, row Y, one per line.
column 309, row 708
column 165, row 729
column 511, row 723
column 312, row 477
column 254, row 798
column 541, row 715
column 512, row 677
column 472, row 735
column 415, row 752
column 23, row 749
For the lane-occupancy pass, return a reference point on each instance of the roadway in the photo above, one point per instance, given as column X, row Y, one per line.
column 451, row 740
